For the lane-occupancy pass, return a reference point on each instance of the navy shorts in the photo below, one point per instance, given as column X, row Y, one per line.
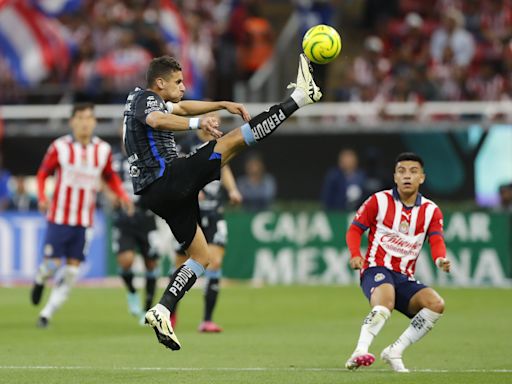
column 174, row 196
column 405, row 287
column 65, row 241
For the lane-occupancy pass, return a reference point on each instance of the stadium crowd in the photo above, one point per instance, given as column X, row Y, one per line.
column 447, row 50
column 451, row 50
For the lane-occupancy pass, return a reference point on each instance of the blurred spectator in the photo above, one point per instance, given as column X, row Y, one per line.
column 343, row 187
column 505, row 192
column 257, row 42
column 452, row 34
column 258, row 188
column 4, row 186
column 20, row 199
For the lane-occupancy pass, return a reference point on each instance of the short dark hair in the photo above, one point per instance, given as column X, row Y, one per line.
column 160, row 67
column 77, row 107
column 408, row 156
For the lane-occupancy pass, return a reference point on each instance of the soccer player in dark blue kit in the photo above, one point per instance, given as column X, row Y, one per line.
column 170, row 185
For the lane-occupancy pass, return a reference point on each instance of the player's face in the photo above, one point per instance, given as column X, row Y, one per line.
column 409, row 176
column 172, row 87
column 83, row 123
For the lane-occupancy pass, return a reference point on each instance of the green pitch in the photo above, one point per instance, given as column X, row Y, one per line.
column 272, row 335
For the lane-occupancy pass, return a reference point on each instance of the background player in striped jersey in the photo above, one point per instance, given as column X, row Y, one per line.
column 80, row 161
column 399, row 221
column 211, row 221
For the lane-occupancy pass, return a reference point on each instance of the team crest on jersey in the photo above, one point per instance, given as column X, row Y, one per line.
column 404, row 227
column 379, row 277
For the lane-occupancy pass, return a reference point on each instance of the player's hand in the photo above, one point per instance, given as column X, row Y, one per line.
column 128, row 207
column 237, row 109
column 201, row 196
column 235, row 197
column 210, row 125
column 443, row 264
column 356, row 262
column 43, row 206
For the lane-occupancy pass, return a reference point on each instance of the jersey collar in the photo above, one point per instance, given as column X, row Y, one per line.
column 396, row 196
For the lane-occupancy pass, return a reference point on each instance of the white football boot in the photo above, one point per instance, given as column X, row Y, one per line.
column 394, row 360
column 158, row 318
column 309, row 92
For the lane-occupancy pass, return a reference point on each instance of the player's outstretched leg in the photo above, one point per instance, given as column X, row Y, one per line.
column 372, row 325
column 306, row 92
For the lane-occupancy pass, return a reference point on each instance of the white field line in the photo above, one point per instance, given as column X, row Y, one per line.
column 249, row 369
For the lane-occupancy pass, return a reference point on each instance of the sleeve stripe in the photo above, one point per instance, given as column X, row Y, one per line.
column 358, row 224
column 436, row 233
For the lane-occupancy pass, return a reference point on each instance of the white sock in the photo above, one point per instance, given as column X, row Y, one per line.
column 371, row 327
column 299, row 97
column 60, row 292
column 420, row 325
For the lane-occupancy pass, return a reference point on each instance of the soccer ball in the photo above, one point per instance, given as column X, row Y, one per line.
column 321, row 44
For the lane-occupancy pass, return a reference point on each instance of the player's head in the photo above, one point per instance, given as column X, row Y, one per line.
column 82, row 120
column 409, row 173
column 165, row 77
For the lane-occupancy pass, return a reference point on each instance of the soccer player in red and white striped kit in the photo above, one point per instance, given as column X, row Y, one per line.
column 81, row 161
column 399, row 220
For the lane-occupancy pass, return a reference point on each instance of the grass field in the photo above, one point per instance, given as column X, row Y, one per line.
column 272, row 335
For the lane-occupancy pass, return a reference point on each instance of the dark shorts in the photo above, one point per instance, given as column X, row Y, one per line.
column 65, row 241
column 135, row 233
column 214, row 228
column 173, row 197
column 405, row 287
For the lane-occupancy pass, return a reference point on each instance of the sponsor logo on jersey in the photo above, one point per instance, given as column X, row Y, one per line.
column 134, row 171
column 398, row 246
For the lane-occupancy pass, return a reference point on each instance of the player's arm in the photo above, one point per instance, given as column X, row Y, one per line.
column 197, row 107
column 115, row 184
column 172, row 122
column 48, row 166
column 365, row 217
column 228, row 181
column 436, row 239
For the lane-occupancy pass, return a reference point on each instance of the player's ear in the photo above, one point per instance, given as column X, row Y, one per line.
column 160, row 83
column 423, row 177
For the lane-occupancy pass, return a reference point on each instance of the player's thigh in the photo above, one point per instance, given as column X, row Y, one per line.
column 230, row 145
column 378, row 286
column 426, row 298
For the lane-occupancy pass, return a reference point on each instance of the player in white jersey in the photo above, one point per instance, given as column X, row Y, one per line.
column 399, row 221
column 81, row 161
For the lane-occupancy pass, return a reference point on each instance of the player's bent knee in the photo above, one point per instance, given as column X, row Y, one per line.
column 436, row 305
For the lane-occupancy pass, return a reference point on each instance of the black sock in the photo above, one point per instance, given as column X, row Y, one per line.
column 181, row 281
column 210, row 297
column 266, row 122
column 127, row 276
column 150, row 290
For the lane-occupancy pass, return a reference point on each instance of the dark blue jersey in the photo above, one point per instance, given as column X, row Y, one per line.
column 149, row 150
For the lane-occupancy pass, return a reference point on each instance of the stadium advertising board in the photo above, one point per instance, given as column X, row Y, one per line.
column 309, row 248
column 21, row 242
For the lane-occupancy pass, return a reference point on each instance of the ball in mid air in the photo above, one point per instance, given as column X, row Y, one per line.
column 321, row 44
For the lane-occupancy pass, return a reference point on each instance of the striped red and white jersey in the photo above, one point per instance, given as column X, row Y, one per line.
column 79, row 170
column 397, row 232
